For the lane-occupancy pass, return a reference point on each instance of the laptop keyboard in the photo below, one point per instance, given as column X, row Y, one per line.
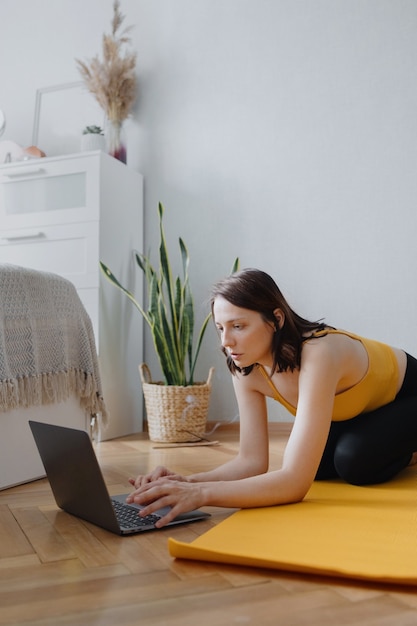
column 128, row 516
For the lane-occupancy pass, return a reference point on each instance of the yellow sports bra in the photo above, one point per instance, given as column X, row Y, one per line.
column 377, row 388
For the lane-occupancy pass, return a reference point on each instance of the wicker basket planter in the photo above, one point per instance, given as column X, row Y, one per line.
column 175, row 414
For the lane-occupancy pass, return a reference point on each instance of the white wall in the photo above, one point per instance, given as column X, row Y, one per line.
column 280, row 131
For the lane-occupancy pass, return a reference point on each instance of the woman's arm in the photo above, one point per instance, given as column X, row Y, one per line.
column 317, row 385
column 253, row 455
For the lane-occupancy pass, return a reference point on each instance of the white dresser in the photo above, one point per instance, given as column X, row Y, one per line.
column 63, row 215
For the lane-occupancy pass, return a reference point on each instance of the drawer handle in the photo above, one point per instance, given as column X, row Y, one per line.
column 22, row 173
column 35, row 235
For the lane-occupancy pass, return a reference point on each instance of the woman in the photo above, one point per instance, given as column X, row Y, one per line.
column 354, row 402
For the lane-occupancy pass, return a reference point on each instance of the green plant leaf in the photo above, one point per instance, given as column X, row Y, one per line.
column 236, row 265
column 170, row 310
column 197, row 350
column 112, row 278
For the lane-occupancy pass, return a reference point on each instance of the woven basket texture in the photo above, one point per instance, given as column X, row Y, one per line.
column 175, row 414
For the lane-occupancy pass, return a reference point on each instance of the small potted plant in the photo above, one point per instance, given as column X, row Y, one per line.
column 176, row 408
column 93, row 139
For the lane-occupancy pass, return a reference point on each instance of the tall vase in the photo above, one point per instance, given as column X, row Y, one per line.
column 115, row 139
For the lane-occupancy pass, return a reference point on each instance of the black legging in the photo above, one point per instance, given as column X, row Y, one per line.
column 373, row 447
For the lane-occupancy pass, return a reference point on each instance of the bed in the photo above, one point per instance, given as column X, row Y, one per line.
column 48, row 367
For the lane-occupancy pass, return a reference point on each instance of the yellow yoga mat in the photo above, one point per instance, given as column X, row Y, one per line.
column 368, row 533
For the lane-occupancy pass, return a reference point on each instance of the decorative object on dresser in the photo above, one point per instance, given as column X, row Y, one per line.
column 62, row 214
column 10, row 152
column 48, row 366
column 93, row 139
column 112, row 81
column 69, row 101
column 177, row 408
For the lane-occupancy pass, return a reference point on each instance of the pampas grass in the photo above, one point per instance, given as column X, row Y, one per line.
column 112, row 79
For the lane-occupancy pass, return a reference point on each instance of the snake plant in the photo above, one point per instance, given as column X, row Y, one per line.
column 170, row 311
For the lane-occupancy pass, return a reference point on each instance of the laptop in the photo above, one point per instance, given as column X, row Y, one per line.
column 78, row 485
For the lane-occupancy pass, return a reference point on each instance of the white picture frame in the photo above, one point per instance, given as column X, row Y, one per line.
column 61, row 114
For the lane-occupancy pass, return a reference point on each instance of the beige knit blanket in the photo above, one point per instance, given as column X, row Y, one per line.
column 47, row 347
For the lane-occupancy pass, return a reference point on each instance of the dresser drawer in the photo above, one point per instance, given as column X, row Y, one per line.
column 70, row 250
column 49, row 191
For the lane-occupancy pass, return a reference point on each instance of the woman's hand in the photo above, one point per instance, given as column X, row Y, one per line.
column 180, row 495
column 158, row 472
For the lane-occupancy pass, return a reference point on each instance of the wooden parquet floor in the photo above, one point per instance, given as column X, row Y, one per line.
column 58, row 570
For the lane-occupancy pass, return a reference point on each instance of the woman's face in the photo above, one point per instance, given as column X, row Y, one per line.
column 245, row 335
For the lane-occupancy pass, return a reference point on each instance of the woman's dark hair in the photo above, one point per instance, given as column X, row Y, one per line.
column 255, row 290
